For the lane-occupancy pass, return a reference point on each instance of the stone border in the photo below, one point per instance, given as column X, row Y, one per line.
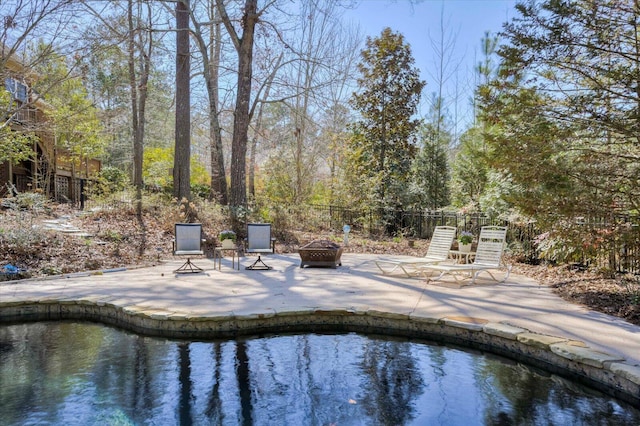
column 558, row 355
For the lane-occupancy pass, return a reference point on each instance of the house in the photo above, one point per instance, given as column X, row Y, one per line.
column 50, row 170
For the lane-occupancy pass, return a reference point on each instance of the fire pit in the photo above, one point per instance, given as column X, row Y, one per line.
column 320, row 253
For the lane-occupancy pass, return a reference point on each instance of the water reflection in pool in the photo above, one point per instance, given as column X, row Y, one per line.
column 70, row 373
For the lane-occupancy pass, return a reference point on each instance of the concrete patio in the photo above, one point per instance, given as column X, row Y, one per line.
column 516, row 317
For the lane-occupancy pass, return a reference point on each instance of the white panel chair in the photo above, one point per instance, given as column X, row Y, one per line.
column 188, row 242
column 488, row 258
column 437, row 252
column 259, row 241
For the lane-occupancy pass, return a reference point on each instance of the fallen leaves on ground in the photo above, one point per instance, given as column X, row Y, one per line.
column 121, row 240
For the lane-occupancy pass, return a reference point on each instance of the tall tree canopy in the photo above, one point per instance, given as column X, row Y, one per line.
column 384, row 141
column 565, row 110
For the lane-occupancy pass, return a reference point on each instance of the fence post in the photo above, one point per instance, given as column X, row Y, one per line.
column 82, row 194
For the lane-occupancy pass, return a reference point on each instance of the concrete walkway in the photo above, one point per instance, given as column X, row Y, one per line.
column 518, row 305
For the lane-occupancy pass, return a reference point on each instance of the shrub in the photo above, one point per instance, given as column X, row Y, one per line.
column 115, row 179
column 33, row 201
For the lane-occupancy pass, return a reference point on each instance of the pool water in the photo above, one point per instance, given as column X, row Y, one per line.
column 88, row 374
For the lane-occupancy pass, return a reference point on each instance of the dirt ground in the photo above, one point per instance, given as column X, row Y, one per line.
column 119, row 240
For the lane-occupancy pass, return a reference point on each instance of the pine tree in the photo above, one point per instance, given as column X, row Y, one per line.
column 565, row 112
column 430, row 186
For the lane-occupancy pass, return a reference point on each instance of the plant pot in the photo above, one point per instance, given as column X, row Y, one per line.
column 228, row 244
column 464, row 248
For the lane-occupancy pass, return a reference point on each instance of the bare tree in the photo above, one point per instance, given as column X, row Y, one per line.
column 143, row 40
column 321, row 57
column 317, row 50
column 244, row 47
column 445, row 68
column 210, row 49
column 257, row 133
column 138, row 37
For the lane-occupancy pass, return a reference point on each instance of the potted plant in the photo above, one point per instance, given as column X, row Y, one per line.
column 228, row 238
column 464, row 241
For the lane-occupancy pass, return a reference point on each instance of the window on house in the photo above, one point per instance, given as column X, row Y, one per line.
column 17, row 89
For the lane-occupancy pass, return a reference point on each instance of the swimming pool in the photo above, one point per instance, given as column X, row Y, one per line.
column 83, row 373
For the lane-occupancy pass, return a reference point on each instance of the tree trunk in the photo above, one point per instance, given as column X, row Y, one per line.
column 210, row 50
column 138, row 101
column 137, row 143
column 244, row 47
column 218, row 175
column 182, row 159
column 258, row 129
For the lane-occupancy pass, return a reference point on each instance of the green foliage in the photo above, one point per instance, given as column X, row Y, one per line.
column 199, row 175
column 113, row 236
column 383, row 145
column 279, row 183
column 227, row 234
column 73, row 118
column 17, row 145
column 562, row 116
column 156, row 167
column 465, row 237
column 200, row 190
column 586, row 243
column 470, row 170
column 359, row 179
column 115, row 180
column 430, row 169
column 156, row 171
column 51, row 270
column 33, row 201
column 333, row 189
column 494, row 198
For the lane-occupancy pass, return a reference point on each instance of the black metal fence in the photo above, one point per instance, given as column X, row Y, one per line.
column 407, row 223
column 610, row 244
column 619, row 252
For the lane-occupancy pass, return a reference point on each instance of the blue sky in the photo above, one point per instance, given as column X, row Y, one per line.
column 464, row 22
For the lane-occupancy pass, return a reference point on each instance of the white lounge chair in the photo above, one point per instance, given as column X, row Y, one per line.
column 437, row 252
column 488, row 258
column 188, row 242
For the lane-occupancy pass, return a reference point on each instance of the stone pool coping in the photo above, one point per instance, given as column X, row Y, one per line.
column 115, row 303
